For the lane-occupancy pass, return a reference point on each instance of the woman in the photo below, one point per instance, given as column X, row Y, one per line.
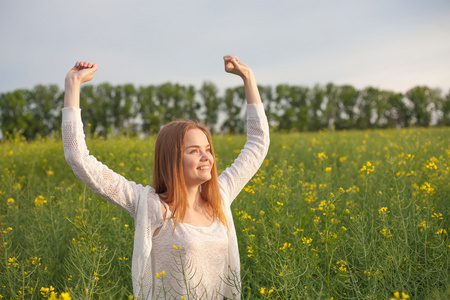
column 185, row 242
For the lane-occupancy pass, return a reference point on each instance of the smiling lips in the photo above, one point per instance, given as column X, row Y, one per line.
column 203, row 168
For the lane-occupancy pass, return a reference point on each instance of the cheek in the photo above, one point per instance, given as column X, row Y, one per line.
column 188, row 163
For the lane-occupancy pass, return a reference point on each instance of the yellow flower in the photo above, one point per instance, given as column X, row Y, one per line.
column 285, row 246
column 442, row 231
column 262, row 290
column 10, row 200
column 386, row 233
column 423, row 225
column 397, row 296
column 306, row 241
column 53, row 296
column 367, row 168
column 437, row 215
column 65, row 296
column 328, row 169
column 383, row 210
column 322, row 156
column 39, row 201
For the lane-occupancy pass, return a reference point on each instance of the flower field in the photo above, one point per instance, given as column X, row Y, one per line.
column 330, row 215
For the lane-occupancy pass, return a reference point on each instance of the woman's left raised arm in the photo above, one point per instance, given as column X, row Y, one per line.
column 234, row 178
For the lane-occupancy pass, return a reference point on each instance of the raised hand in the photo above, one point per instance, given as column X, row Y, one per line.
column 83, row 71
column 234, row 66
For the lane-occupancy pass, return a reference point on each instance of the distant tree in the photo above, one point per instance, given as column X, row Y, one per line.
column 208, row 94
column 300, row 102
column 126, row 109
column 97, row 103
column 444, row 108
column 398, row 113
column 293, row 106
column 92, row 107
column 347, row 102
column 15, row 114
column 331, row 111
column 177, row 101
column 267, row 97
column 372, row 107
column 149, row 110
column 45, row 103
column 316, row 113
column 425, row 101
column 191, row 105
column 232, row 104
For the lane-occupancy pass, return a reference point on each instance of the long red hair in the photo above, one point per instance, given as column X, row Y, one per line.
column 168, row 176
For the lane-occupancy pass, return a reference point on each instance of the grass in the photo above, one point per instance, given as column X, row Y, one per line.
column 330, row 215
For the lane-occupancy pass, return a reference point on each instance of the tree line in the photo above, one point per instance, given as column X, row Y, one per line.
column 144, row 109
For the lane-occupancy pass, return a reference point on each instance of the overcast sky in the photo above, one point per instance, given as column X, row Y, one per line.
column 389, row 44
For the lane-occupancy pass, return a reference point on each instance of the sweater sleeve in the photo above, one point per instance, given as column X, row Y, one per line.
column 233, row 179
column 102, row 180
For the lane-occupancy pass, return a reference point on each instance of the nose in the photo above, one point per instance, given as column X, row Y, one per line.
column 205, row 155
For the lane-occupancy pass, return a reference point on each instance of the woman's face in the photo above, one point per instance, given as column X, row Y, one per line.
column 197, row 158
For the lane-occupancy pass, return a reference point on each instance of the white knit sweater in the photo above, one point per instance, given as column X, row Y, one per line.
column 143, row 204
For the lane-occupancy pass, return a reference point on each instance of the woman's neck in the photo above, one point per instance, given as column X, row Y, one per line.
column 194, row 198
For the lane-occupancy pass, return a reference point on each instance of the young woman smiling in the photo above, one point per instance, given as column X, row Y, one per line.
column 185, row 242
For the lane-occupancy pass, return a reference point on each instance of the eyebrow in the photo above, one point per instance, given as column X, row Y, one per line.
column 197, row 146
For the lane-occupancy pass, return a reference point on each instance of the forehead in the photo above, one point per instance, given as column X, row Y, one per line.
column 195, row 137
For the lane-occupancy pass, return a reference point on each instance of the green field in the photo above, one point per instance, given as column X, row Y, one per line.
column 330, row 215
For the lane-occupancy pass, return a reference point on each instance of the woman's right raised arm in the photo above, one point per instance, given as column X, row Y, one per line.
column 102, row 180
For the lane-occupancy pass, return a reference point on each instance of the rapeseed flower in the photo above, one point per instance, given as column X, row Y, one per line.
column 423, row 225
column 401, row 296
column 306, row 241
column 39, row 201
column 386, row 233
column 442, row 231
column 286, row 246
column 367, row 168
column 383, row 210
column 322, row 156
